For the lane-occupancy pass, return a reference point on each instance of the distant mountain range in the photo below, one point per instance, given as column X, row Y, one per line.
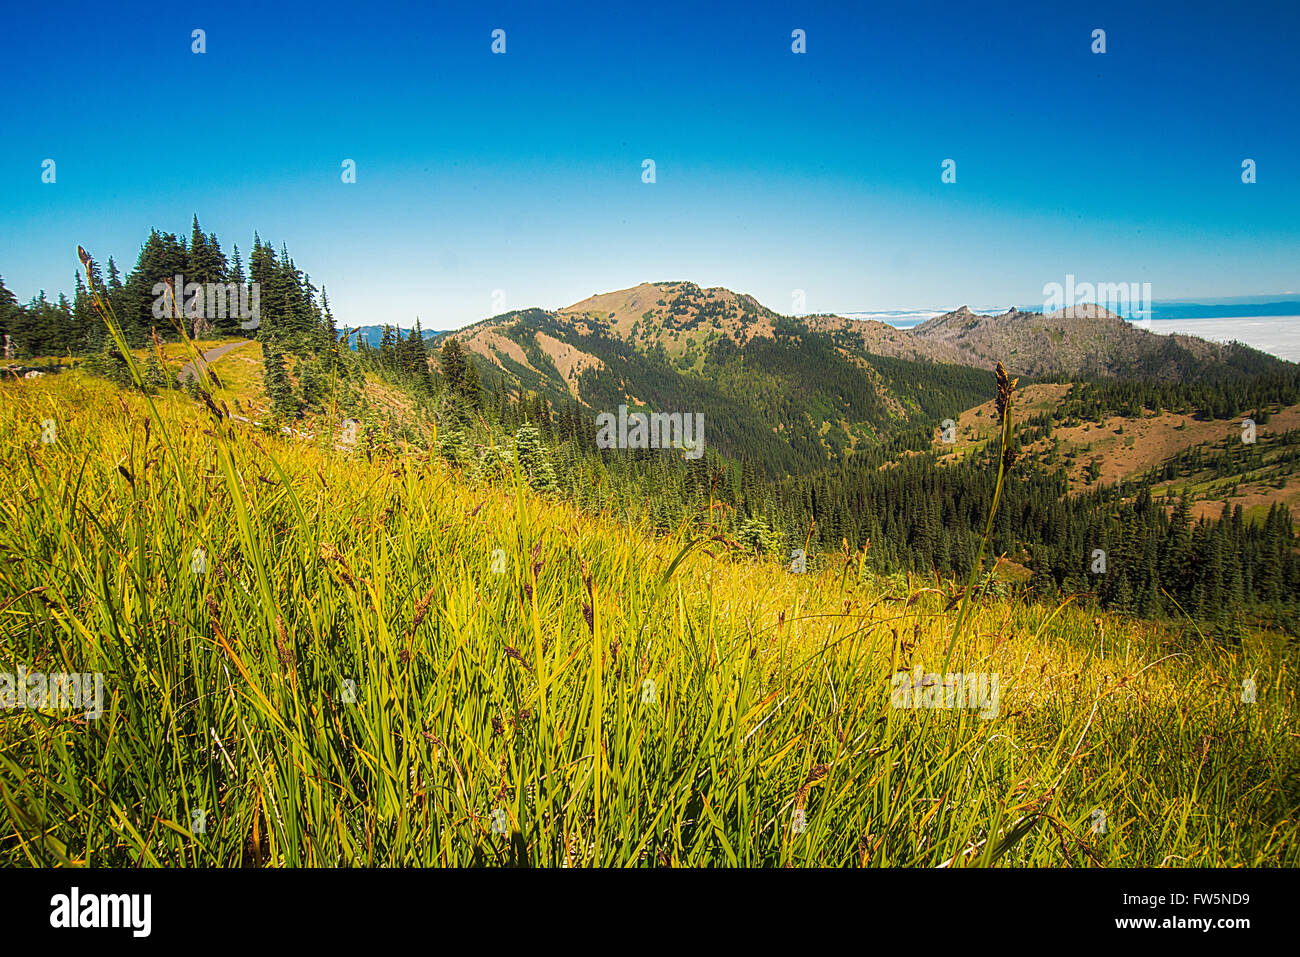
column 372, row 335
column 800, row 393
column 1086, row 342
column 1172, row 309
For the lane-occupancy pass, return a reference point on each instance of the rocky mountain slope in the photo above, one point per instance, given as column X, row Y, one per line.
column 803, row 392
column 1082, row 343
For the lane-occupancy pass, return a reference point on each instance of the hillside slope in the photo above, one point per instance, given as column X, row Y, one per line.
column 389, row 667
column 803, row 393
column 790, row 397
column 1086, row 343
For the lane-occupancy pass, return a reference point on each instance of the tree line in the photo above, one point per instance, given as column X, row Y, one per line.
column 291, row 310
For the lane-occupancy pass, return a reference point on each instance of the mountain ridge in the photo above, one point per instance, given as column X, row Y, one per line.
column 806, row 391
column 1081, row 341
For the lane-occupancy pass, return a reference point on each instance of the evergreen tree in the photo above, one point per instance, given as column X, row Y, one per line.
column 88, row 330
column 264, row 271
column 275, row 380
column 470, row 387
column 161, row 258
column 9, row 313
column 534, row 459
column 452, row 364
column 115, row 294
column 155, row 377
column 311, row 383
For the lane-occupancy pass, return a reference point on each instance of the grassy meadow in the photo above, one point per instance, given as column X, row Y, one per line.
column 315, row 657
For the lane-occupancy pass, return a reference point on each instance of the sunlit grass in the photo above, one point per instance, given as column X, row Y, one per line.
column 328, row 659
column 524, row 693
column 175, row 354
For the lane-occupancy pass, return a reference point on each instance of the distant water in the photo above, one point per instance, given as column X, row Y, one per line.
column 1278, row 335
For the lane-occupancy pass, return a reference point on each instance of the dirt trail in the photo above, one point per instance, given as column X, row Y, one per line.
column 207, row 358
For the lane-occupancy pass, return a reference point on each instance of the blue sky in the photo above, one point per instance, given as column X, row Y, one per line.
column 775, row 171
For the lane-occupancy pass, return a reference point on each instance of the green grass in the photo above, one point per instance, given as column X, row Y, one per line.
column 380, row 663
column 175, row 354
column 524, row 692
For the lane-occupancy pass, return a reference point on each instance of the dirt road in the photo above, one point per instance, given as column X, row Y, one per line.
column 207, row 358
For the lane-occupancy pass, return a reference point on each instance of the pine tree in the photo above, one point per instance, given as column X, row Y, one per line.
column 114, row 293
column 411, row 352
column 86, row 333
column 220, row 266
column 1273, row 543
column 161, row 258
column 60, row 339
column 21, row 329
column 199, row 265
column 336, row 367
column 155, row 378
column 329, row 335
column 452, row 364
column 473, row 392
column 311, row 383
column 264, row 271
column 534, row 459
column 276, row 382
column 9, row 313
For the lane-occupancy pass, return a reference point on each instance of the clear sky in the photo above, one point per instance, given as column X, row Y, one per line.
column 775, row 171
